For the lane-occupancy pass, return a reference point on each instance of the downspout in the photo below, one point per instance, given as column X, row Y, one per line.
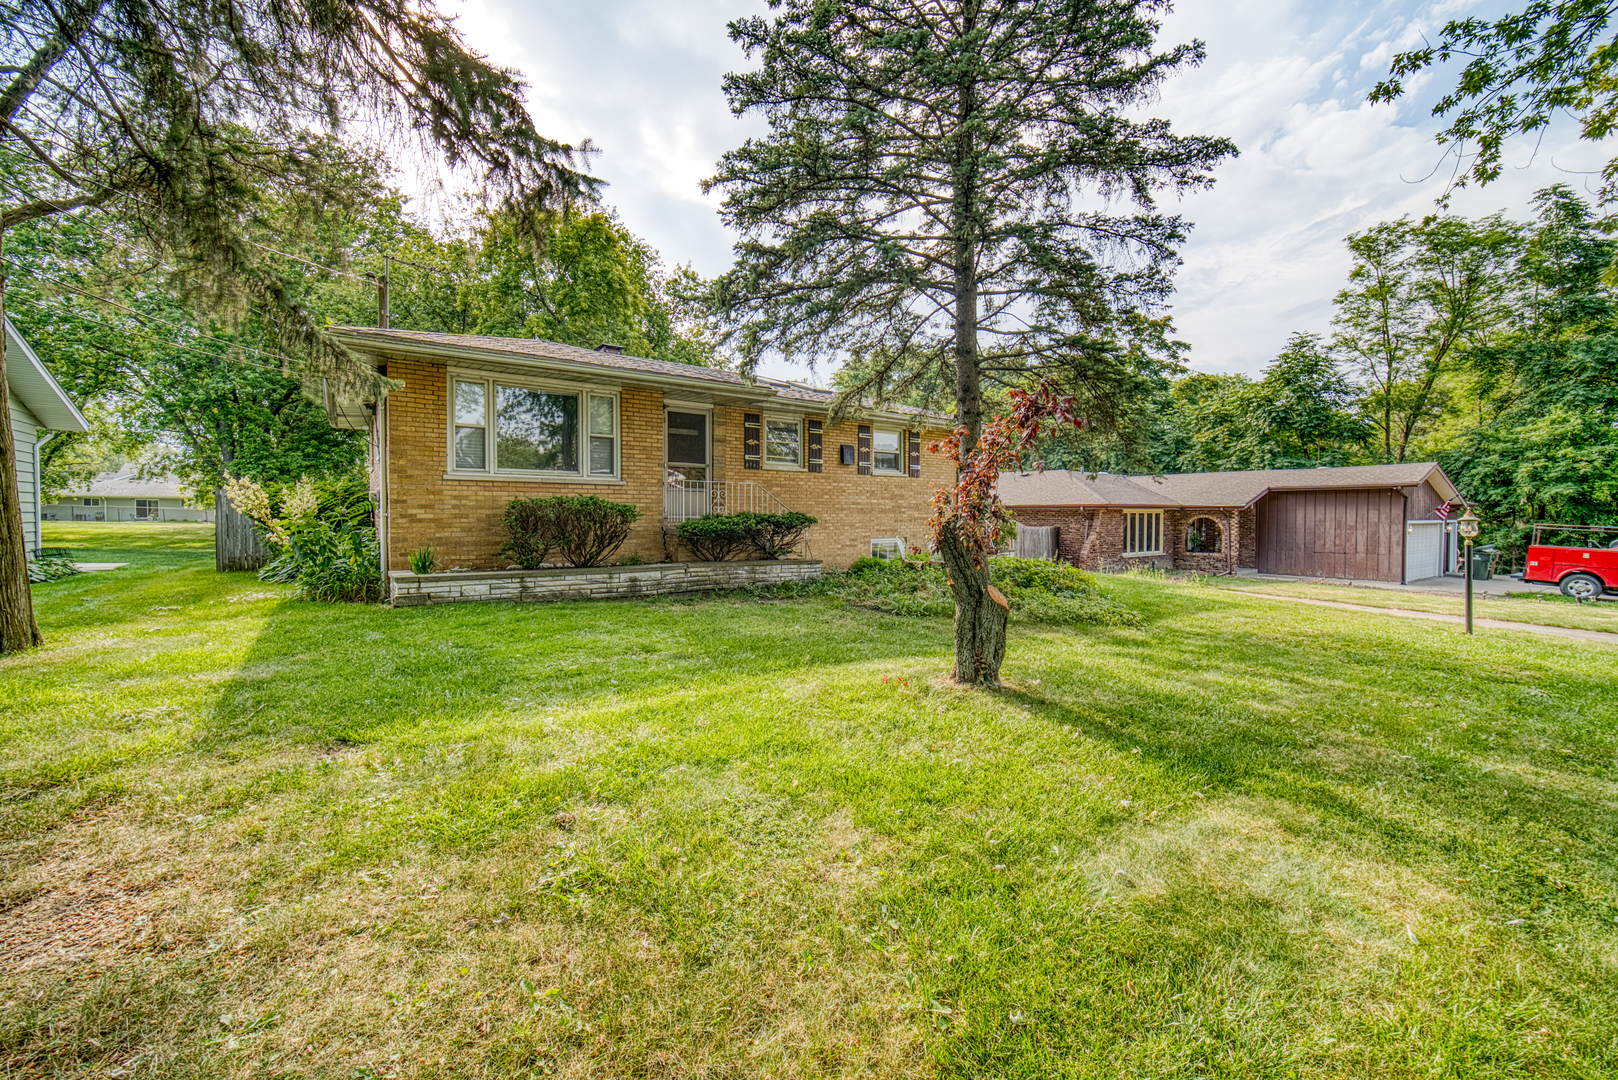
column 40, row 439
column 383, row 531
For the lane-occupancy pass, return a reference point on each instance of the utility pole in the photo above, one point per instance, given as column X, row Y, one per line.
column 382, row 292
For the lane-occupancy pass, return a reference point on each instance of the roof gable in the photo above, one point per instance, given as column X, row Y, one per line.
column 34, row 386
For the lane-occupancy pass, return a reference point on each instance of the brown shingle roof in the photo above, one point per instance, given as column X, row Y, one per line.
column 539, row 349
column 1060, row 487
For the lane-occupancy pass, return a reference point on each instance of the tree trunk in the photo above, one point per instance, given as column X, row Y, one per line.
column 980, row 611
column 18, row 630
column 980, row 614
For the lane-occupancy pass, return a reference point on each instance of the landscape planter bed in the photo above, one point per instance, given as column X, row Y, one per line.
column 407, row 589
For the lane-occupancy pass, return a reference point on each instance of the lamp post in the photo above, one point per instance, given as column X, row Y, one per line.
column 1468, row 527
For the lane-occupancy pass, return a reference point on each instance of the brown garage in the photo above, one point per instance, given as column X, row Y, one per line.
column 1365, row 522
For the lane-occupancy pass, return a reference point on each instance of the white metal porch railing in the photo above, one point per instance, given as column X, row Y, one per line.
column 687, row 499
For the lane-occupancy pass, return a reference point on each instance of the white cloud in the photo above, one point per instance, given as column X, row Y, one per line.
column 1286, row 80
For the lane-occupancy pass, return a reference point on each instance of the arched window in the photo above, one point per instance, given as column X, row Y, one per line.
column 1204, row 537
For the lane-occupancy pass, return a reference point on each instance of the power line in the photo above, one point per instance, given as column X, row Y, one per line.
column 178, row 326
column 135, row 198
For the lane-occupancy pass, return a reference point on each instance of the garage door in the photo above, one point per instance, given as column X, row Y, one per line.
column 1424, row 549
column 1332, row 534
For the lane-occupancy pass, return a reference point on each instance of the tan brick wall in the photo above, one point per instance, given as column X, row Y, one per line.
column 462, row 518
column 853, row 509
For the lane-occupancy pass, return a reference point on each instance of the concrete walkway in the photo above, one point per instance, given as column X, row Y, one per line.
column 1438, row 586
column 1602, row 636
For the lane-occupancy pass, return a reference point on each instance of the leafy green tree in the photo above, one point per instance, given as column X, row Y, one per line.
column 183, row 117
column 1547, row 448
column 1419, row 295
column 1521, row 70
column 925, row 197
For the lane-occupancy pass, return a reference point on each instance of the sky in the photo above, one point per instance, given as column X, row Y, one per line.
column 1285, row 80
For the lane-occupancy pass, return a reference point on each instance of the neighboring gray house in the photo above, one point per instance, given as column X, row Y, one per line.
column 39, row 409
column 121, row 496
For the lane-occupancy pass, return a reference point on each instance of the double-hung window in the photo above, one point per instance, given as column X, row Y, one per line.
column 783, row 442
column 887, row 452
column 1143, row 532
column 516, row 429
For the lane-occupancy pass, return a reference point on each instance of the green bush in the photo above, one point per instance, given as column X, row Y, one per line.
column 586, row 529
column 717, row 537
column 337, row 563
column 775, row 536
column 1038, row 591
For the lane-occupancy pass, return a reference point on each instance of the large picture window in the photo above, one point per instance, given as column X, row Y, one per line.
column 783, row 442
column 511, row 428
column 1143, row 533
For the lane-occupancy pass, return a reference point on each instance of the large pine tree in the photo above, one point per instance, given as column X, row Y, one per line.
column 966, row 185
column 184, row 117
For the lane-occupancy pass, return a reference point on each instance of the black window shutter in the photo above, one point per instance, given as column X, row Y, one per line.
column 815, row 460
column 914, row 440
column 752, row 441
column 864, row 459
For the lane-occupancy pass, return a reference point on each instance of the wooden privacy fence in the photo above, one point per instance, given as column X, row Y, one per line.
column 1035, row 542
column 236, row 545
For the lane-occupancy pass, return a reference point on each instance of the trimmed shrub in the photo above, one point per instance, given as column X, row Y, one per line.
column 534, row 530
column 586, row 529
column 775, row 536
column 715, row 537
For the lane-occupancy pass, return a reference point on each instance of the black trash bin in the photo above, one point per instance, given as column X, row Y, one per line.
column 1483, row 562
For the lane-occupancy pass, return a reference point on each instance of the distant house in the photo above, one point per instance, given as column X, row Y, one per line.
column 1366, row 522
column 121, row 496
column 479, row 421
column 39, row 409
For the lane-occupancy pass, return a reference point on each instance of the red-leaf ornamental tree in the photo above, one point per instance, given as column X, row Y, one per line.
column 969, row 520
column 182, row 117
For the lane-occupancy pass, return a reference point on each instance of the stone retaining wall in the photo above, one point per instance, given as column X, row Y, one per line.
column 597, row 583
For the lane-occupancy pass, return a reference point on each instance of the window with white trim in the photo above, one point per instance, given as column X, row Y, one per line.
column 783, row 442
column 891, row 547
column 887, row 452
column 1143, row 532
column 501, row 426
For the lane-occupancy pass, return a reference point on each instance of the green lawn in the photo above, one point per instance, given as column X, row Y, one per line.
column 1547, row 609
column 249, row 836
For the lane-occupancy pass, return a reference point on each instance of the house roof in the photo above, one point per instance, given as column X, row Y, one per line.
column 32, row 383
column 123, row 484
column 552, row 355
column 1062, row 487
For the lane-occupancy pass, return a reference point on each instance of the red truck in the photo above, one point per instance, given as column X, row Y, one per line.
column 1583, row 560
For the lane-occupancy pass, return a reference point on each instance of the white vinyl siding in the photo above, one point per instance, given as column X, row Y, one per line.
column 25, row 429
column 1143, row 533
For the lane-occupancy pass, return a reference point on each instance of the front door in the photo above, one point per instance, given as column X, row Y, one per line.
column 686, row 444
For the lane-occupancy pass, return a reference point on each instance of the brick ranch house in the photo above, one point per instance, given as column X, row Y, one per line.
column 480, row 421
column 1366, row 522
